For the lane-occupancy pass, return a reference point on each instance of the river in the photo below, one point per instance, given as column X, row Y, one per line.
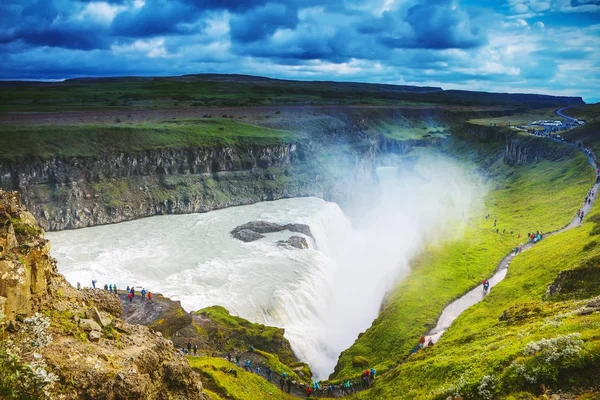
column 323, row 296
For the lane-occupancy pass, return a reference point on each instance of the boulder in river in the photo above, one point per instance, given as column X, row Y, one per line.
column 246, row 235
column 295, row 241
column 254, row 230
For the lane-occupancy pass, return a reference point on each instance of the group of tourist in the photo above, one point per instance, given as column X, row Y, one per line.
column 189, row 349
column 130, row 291
column 131, row 294
column 288, row 385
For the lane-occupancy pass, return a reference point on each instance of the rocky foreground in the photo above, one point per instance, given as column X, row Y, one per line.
column 63, row 343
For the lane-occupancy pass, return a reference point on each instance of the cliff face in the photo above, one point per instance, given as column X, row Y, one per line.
column 83, row 191
column 526, row 150
column 63, row 343
column 75, row 192
column 517, row 148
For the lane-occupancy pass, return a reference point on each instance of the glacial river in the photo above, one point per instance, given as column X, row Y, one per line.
column 323, row 296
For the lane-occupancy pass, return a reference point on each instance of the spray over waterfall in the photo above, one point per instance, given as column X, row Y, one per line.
column 324, row 296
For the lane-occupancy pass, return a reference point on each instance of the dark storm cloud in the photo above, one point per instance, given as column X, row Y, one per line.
column 263, row 21
column 437, row 24
column 156, row 17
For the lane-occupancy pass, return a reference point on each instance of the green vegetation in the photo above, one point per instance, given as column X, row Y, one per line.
column 518, row 118
column 25, row 230
column 239, row 334
column 94, row 140
column 23, row 376
column 588, row 135
column 235, row 90
column 231, row 382
column 586, row 112
column 541, row 196
column 406, row 129
column 516, row 341
column 279, row 368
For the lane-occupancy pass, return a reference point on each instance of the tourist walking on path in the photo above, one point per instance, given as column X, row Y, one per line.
column 150, row 297
column 130, row 296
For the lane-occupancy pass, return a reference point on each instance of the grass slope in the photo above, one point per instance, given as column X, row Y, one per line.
column 93, row 140
column 237, row 334
column 541, row 196
column 518, row 338
column 235, row 90
column 520, row 118
column 586, row 112
column 240, row 385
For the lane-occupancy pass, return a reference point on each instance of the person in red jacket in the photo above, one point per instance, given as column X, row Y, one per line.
column 308, row 391
column 150, row 297
column 130, row 296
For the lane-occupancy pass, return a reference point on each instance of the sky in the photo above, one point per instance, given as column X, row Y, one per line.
column 533, row 46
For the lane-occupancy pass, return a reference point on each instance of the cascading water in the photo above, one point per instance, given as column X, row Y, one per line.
column 323, row 296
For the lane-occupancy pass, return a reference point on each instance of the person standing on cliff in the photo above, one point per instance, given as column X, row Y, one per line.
column 115, row 288
column 132, row 291
column 195, row 349
column 268, row 370
column 149, row 297
column 78, row 286
column 189, row 347
column 143, row 293
column 93, row 284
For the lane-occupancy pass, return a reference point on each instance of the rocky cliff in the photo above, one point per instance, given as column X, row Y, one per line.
column 518, row 148
column 75, row 192
column 63, row 343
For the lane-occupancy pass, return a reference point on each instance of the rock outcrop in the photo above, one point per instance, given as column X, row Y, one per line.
column 72, row 343
column 254, row 230
column 297, row 242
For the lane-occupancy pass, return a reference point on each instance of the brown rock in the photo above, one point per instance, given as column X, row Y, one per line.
column 94, row 314
column 94, row 336
column 89, row 325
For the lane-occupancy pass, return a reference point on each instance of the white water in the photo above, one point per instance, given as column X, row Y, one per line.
column 323, row 296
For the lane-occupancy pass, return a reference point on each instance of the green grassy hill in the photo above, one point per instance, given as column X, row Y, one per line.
column 237, row 90
column 95, row 139
column 519, row 341
column 523, row 198
column 588, row 134
column 224, row 380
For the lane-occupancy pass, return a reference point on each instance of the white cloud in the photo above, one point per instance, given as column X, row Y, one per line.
column 99, row 12
column 153, row 48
